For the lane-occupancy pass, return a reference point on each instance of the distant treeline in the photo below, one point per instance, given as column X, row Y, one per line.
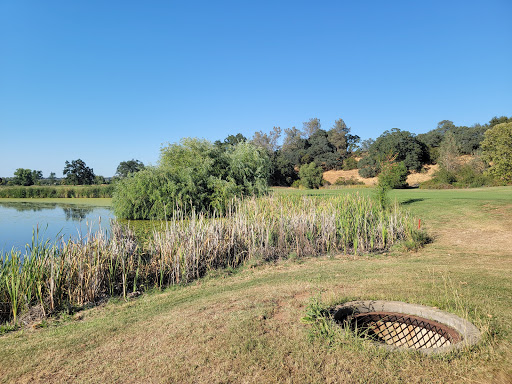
column 337, row 148
column 82, row 191
column 298, row 157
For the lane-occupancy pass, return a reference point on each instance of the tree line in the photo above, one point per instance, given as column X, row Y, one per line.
column 300, row 156
column 75, row 172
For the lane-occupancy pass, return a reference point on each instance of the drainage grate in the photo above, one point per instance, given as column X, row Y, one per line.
column 403, row 330
column 395, row 324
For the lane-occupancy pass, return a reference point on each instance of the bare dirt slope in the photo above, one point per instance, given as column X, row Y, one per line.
column 413, row 179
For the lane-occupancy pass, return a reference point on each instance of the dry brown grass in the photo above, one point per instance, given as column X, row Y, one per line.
column 332, row 176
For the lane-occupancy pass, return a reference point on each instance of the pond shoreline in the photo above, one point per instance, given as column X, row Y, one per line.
column 95, row 201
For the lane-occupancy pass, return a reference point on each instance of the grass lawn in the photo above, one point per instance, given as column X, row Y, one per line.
column 244, row 325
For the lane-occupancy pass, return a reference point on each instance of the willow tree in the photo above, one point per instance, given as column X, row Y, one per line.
column 194, row 175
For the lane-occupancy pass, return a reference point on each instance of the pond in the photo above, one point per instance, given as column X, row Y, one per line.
column 54, row 220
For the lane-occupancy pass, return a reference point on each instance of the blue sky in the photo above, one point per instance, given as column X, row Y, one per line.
column 108, row 81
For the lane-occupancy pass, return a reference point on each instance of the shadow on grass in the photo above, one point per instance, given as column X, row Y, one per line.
column 410, row 201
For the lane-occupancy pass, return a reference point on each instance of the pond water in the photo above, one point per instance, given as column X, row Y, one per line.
column 55, row 221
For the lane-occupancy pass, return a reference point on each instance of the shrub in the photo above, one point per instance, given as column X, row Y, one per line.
column 311, row 175
column 470, row 175
column 351, row 181
column 393, row 175
column 368, row 167
column 349, row 164
column 296, row 184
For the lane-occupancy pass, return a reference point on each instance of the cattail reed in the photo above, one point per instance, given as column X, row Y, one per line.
column 77, row 272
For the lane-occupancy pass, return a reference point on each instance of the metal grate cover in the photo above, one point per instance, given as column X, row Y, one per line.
column 402, row 330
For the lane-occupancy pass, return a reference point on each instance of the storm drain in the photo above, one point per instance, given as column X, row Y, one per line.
column 402, row 325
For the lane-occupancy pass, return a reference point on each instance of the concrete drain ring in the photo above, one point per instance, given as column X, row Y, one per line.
column 398, row 325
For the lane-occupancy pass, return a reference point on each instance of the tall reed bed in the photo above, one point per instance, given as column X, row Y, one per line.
column 75, row 273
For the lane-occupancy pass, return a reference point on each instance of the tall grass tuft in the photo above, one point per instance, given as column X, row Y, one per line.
column 87, row 270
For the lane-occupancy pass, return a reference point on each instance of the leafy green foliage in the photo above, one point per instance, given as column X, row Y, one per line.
column 469, row 175
column 318, row 317
column 349, row 181
column 402, row 145
column 78, row 173
column 46, row 191
column 26, row 177
column 448, row 153
column 311, row 126
column 230, row 141
column 349, row 164
column 322, row 152
column 497, row 150
column 313, row 144
column 311, row 175
column 193, row 174
column 393, row 175
column 368, row 166
column 131, row 166
column 467, row 139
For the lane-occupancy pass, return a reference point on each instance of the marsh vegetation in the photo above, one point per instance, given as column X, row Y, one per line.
column 190, row 244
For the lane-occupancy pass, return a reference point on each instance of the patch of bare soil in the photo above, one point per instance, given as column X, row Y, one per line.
column 415, row 178
column 332, row 176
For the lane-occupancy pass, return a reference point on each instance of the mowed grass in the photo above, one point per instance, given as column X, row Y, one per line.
column 244, row 325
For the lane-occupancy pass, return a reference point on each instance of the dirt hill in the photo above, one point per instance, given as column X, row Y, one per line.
column 413, row 179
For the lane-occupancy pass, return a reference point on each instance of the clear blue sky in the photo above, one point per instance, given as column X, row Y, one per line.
column 108, row 81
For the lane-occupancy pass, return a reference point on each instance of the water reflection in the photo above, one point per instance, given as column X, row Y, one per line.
column 19, row 219
column 77, row 214
column 71, row 211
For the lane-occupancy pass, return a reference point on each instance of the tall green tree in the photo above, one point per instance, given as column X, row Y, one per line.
column 230, row 141
column 26, row 177
column 294, row 146
column 400, row 145
column 340, row 137
column 497, row 150
column 322, row 152
column 448, row 153
column 194, row 174
column 78, row 173
column 127, row 167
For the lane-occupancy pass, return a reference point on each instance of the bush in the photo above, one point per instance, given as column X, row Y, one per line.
column 351, row 181
column 296, row 184
column 350, row 164
column 393, row 175
column 368, row 167
column 470, row 175
column 311, row 175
